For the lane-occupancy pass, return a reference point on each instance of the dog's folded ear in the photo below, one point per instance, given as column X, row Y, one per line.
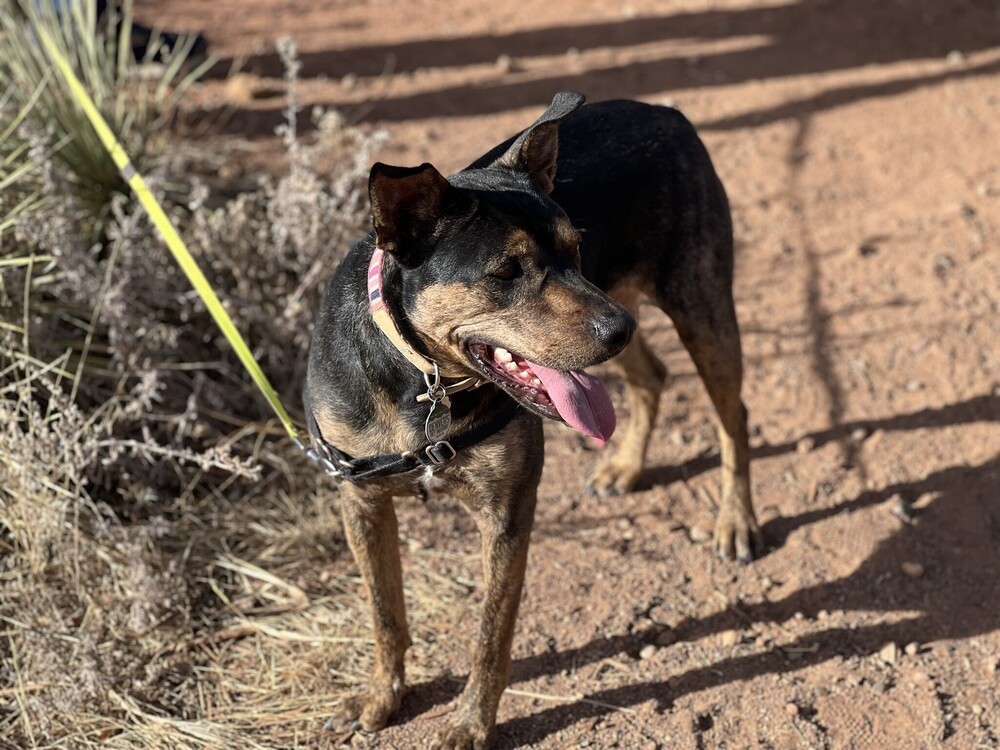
column 536, row 149
column 406, row 203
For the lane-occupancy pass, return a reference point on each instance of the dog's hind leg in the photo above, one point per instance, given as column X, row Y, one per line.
column 709, row 331
column 644, row 376
column 372, row 533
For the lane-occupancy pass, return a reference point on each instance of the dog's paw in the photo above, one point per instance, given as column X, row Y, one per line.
column 463, row 736
column 369, row 710
column 738, row 535
column 614, row 477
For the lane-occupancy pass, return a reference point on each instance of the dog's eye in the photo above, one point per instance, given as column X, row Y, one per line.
column 509, row 269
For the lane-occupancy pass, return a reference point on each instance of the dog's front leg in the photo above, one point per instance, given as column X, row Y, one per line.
column 505, row 526
column 372, row 532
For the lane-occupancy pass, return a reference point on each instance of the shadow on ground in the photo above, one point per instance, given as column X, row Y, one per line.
column 807, row 37
column 957, row 535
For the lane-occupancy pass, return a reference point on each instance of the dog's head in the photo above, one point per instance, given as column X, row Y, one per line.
column 489, row 276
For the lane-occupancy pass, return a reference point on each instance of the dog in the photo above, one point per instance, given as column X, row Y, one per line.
column 469, row 314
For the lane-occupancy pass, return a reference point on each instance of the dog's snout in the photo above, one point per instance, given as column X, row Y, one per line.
column 613, row 330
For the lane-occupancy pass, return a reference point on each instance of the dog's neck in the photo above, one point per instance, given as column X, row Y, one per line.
column 363, row 388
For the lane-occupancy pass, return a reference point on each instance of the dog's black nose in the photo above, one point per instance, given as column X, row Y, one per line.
column 614, row 330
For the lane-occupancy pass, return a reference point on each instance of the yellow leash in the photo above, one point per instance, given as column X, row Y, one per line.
column 168, row 232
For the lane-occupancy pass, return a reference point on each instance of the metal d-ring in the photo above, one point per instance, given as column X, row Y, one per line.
column 435, row 391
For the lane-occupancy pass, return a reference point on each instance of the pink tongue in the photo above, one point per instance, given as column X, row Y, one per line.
column 580, row 400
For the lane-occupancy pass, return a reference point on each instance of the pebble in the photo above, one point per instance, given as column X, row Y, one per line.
column 822, row 614
column 699, row 534
column 912, row 569
column 858, row 434
column 889, row 653
column 805, row 445
column 914, row 385
column 880, row 687
column 791, row 709
column 912, row 648
column 901, row 508
column 573, row 52
column 729, row 637
column 955, row 57
column 349, row 81
column 648, row 651
column 505, row 63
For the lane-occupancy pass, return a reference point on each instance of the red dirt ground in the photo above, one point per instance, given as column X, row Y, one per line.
column 860, row 145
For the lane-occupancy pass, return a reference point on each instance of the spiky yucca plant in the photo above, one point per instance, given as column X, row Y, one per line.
column 136, row 104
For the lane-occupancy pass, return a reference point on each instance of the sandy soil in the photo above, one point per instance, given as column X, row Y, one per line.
column 859, row 145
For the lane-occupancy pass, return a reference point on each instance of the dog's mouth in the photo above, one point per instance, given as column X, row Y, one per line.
column 572, row 396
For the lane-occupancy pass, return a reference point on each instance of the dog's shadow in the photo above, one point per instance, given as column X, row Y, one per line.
column 957, row 536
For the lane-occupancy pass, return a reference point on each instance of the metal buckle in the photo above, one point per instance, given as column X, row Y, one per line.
column 440, row 453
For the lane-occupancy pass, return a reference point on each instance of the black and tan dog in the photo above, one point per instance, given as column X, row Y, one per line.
column 470, row 312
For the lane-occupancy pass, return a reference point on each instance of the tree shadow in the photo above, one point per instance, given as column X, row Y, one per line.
column 982, row 408
column 957, row 536
column 808, row 37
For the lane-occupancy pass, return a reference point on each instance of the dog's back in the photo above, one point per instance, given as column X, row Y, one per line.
column 636, row 179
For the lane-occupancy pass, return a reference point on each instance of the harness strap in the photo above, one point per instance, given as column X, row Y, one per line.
column 340, row 465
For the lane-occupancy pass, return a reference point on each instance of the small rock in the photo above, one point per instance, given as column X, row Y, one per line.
column 505, row 63
column 955, row 57
column 648, row 651
column 822, row 614
column 805, row 445
column 699, row 534
column 729, row 637
column 880, row 687
column 666, row 638
column 799, row 616
column 912, row 569
column 912, row 648
column 901, row 508
column 889, row 653
column 859, row 433
column 791, row 709
column 573, row 52
column 914, row 385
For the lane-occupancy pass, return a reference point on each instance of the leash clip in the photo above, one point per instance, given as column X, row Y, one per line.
column 319, row 458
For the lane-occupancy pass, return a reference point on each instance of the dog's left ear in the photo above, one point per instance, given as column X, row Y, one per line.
column 536, row 149
column 406, row 203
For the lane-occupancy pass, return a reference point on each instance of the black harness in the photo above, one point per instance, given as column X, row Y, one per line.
column 340, row 465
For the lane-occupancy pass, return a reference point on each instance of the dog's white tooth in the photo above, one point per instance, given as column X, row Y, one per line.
column 512, row 367
column 502, row 355
column 524, row 375
column 536, row 381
